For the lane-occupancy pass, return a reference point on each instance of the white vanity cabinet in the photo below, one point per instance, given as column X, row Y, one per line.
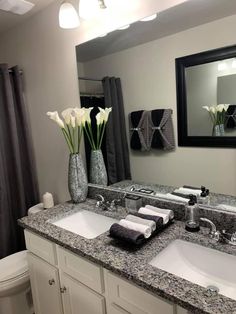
column 65, row 283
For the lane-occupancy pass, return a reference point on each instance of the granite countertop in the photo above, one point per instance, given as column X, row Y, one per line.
column 133, row 263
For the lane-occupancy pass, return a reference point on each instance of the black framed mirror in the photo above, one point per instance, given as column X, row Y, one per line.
column 206, row 98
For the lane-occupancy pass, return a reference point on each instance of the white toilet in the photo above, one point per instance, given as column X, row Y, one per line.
column 15, row 292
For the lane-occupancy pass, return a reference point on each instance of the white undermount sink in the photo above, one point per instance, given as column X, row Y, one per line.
column 200, row 265
column 85, row 223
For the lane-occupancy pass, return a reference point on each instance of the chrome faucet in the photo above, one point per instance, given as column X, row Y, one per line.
column 214, row 234
column 220, row 236
column 106, row 205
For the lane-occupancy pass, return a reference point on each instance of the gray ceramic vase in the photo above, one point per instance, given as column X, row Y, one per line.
column 216, row 130
column 98, row 173
column 77, row 179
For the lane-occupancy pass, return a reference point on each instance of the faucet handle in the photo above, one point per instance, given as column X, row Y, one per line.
column 101, row 201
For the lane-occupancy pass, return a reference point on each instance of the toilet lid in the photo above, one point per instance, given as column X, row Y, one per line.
column 13, row 266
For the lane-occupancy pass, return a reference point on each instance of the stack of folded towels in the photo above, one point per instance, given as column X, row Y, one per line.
column 137, row 227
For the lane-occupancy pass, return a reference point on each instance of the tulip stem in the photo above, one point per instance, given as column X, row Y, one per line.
column 67, row 140
column 101, row 137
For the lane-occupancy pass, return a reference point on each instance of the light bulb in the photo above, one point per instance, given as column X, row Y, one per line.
column 124, row 27
column 88, row 9
column 68, row 17
column 234, row 64
column 222, row 66
column 149, row 18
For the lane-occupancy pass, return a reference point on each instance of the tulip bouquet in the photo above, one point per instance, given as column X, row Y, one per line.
column 101, row 121
column 72, row 125
column 217, row 113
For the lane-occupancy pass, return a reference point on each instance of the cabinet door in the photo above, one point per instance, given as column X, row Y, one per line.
column 180, row 310
column 45, row 286
column 79, row 299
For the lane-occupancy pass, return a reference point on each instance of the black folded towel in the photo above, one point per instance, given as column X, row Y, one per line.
column 231, row 117
column 157, row 116
column 126, row 235
column 181, row 195
column 191, row 187
column 158, row 220
column 135, row 141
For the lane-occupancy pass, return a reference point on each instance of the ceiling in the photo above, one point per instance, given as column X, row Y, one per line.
column 176, row 19
column 9, row 20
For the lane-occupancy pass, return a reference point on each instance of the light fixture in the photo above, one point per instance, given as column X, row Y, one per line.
column 68, row 17
column 16, row 6
column 124, row 27
column 222, row 66
column 234, row 64
column 88, row 9
column 149, row 18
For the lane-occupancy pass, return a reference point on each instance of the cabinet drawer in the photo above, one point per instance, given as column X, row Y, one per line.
column 81, row 269
column 133, row 299
column 41, row 247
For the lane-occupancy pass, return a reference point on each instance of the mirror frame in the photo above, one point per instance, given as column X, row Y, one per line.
column 180, row 65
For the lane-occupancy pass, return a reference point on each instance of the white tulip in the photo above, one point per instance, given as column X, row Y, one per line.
column 86, row 116
column 55, row 117
column 66, row 114
column 105, row 113
column 79, row 115
column 206, row 107
column 220, row 107
column 213, row 109
column 99, row 118
column 226, row 107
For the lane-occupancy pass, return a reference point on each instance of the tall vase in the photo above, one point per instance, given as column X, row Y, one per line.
column 216, row 130
column 98, row 173
column 222, row 129
column 77, row 179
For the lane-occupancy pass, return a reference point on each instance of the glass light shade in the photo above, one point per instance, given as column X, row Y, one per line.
column 88, row 9
column 149, row 18
column 68, row 17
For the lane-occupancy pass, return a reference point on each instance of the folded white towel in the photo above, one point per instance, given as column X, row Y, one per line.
column 227, row 207
column 145, row 230
column 188, row 191
column 147, row 211
column 139, row 220
column 161, row 210
column 172, row 197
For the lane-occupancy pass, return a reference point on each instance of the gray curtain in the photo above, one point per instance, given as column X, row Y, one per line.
column 118, row 163
column 18, row 183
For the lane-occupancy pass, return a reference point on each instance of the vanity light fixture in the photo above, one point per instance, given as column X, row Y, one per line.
column 88, row 9
column 222, row 66
column 124, row 27
column 149, row 18
column 68, row 17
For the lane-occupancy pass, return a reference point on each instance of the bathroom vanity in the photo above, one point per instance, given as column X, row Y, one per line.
column 73, row 274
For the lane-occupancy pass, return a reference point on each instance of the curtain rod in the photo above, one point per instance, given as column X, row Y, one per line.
column 89, row 79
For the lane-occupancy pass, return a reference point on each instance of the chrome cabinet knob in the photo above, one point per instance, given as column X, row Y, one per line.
column 51, row 282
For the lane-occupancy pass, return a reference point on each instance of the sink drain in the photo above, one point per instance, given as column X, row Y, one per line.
column 213, row 290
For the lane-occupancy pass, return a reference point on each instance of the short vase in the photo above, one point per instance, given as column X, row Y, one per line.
column 98, row 173
column 77, row 179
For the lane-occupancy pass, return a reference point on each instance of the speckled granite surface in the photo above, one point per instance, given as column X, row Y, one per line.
column 215, row 198
column 132, row 263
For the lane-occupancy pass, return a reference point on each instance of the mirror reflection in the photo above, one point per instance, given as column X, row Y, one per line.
column 211, row 98
column 121, row 79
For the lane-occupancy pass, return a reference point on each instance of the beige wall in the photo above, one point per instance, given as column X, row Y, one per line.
column 148, row 80
column 46, row 54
